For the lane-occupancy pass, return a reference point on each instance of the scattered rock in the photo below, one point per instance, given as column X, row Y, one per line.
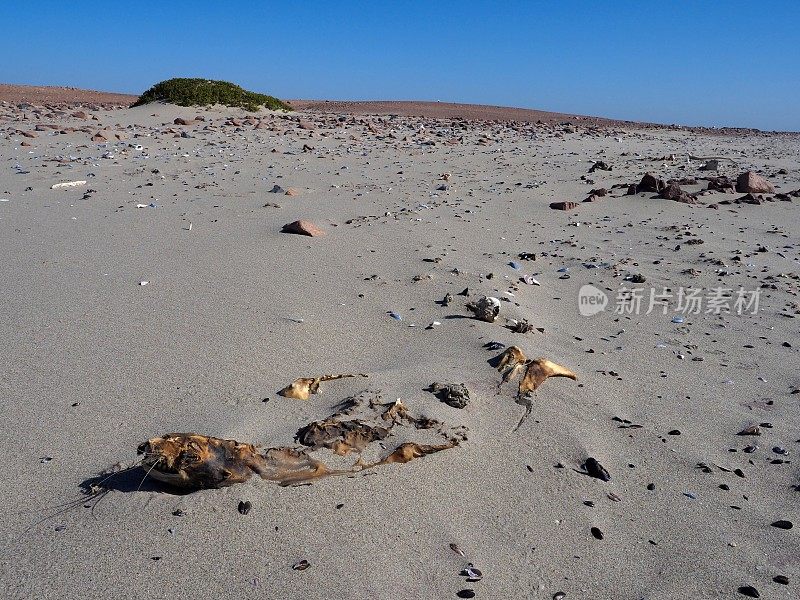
column 650, row 183
column 303, row 228
column 753, row 183
column 563, row 205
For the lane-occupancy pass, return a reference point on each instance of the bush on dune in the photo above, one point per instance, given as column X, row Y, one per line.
column 204, row 92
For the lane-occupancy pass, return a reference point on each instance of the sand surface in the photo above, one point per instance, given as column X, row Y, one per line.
column 92, row 362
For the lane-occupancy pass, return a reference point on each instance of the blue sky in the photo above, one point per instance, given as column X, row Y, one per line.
column 690, row 62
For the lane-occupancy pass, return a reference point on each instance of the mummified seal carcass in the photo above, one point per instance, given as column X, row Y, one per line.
column 195, row 461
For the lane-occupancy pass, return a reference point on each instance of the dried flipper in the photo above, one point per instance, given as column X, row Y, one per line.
column 540, row 369
column 301, row 389
column 512, row 362
column 485, row 308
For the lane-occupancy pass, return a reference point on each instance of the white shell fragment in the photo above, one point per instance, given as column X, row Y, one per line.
column 67, row 184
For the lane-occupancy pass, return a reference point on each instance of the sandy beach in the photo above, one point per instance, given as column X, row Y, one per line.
column 161, row 296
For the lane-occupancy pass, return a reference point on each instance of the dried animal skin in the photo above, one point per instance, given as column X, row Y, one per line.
column 301, row 389
column 195, row 461
column 485, row 309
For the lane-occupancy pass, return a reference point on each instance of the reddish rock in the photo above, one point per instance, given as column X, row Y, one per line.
column 28, row 134
column 306, row 125
column 182, row 121
column 753, row 183
column 99, row 138
column 674, row 192
column 650, row 183
column 563, row 205
column 79, row 114
column 292, row 192
column 720, row 184
column 303, row 228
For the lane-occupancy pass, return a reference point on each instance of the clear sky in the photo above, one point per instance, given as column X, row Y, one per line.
column 709, row 62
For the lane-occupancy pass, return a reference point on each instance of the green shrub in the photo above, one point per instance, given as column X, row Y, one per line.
column 203, row 92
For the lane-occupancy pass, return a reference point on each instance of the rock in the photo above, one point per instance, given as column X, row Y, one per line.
column 710, row 165
column 182, row 121
column 28, row 134
column 650, row 183
column 308, row 125
column 720, row 184
column 303, row 228
column 750, row 199
column 99, row 138
column 600, row 166
column 276, row 189
column 79, row 114
column 674, row 192
column 563, row 205
column 753, row 183
column 292, row 192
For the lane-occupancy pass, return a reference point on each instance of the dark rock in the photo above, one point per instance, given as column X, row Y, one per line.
column 600, row 166
column 596, row 470
column 720, row 184
column 563, row 205
column 710, row 165
column 650, row 183
column 749, row 591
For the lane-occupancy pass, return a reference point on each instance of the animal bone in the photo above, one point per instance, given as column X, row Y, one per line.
column 301, row 389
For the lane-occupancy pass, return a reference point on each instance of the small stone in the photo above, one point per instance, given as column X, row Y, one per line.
column 783, row 524
column 244, row 507
column 596, row 470
column 301, row 565
column 563, row 205
column 467, row 593
column 596, row 533
column 782, row 579
column 303, row 228
column 749, row 591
